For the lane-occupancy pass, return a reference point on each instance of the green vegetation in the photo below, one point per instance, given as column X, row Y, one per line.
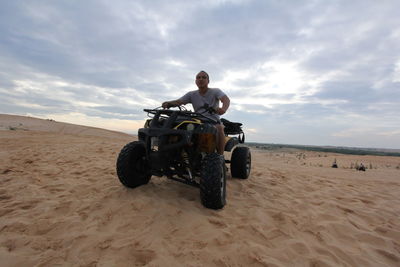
column 340, row 150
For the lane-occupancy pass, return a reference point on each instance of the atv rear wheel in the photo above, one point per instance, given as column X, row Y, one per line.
column 213, row 181
column 241, row 162
column 132, row 165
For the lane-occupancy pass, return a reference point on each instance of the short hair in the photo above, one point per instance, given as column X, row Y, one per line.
column 208, row 76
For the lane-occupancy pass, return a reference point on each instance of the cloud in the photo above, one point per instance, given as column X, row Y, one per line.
column 296, row 72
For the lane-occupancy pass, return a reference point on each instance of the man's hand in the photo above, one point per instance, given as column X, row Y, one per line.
column 220, row 111
column 166, row 104
column 173, row 103
column 225, row 105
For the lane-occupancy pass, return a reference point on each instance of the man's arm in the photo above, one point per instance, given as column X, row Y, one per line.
column 172, row 103
column 225, row 105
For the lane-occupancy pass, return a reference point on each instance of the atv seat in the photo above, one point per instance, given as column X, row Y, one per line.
column 232, row 127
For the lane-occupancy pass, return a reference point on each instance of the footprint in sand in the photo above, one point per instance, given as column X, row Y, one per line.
column 10, row 245
column 5, row 171
column 300, row 248
column 346, row 210
column 279, row 217
column 4, row 195
column 143, row 257
column 15, row 228
column 389, row 256
column 366, row 201
column 218, row 223
column 26, row 205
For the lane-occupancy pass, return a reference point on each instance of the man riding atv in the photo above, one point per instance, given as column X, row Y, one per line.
column 205, row 99
column 188, row 146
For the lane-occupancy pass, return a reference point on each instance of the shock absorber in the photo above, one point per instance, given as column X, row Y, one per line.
column 185, row 158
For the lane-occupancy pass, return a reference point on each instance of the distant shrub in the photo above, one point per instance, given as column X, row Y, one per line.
column 301, row 156
column 12, row 128
column 342, row 150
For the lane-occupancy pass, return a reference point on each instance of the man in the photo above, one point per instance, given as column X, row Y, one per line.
column 203, row 99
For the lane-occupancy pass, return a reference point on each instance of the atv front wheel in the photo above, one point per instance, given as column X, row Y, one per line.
column 132, row 165
column 241, row 162
column 213, row 181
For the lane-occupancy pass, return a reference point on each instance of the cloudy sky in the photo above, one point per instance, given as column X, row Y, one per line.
column 318, row 72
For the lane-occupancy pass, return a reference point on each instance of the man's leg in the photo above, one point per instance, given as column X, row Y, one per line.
column 220, row 138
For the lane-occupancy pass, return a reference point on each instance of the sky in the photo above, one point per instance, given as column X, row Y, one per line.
column 318, row 72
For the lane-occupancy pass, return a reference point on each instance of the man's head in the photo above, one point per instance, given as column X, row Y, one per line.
column 202, row 79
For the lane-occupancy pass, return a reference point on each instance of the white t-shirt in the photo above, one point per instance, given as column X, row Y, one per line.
column 200, row 103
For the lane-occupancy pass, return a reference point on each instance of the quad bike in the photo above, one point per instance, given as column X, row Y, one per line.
column 181, row 145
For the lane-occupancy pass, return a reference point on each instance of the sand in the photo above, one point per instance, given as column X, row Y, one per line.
column 61, row 204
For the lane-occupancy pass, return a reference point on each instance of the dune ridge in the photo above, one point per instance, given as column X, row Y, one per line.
column 62, row 204
column 17, row 122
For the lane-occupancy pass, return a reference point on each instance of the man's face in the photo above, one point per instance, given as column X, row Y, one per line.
column 202, row 79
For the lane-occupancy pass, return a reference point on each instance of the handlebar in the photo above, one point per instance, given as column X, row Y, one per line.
column 169, row 112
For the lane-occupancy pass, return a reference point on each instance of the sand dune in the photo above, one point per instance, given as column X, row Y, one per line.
column 15, row 122
column 62, row 204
